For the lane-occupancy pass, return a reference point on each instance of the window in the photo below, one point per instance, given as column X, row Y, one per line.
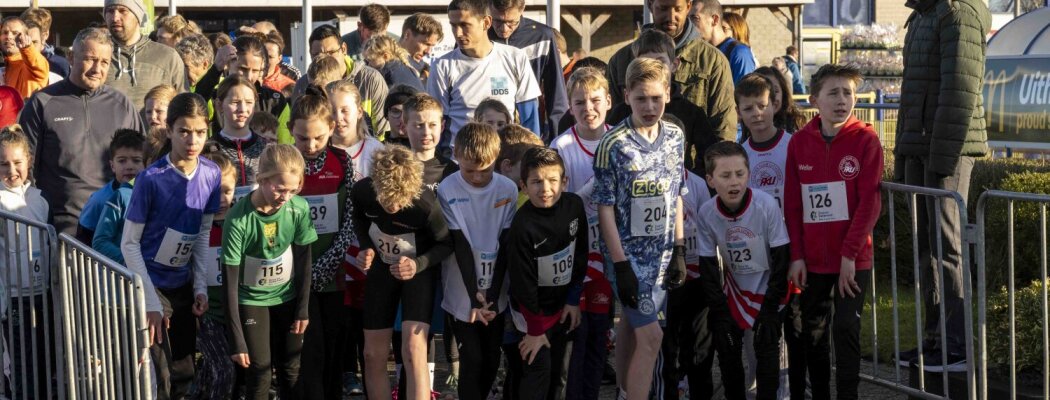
column 835, row 13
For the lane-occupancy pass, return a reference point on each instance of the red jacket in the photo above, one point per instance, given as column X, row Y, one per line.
column 851, row 165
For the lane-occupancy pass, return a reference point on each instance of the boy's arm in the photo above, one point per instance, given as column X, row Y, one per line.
column 524, row 284
column 465, row 258
column 869, row 203
column 360, row 220
column 501, row 269
column 301, row 261
column 200, row 255
column 609, row 233
column 778, row 277
column 529, row 113
column 442, row 247
column 710, row 273
column 107, row 233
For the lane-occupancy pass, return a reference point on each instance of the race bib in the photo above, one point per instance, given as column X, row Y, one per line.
column 260, row 272
column 484, row 265
column 649, row 216
column 175, row 249
column 593, row 234
column 212, row 267
column 392, row 247
column 241, row 191
column 777, row 192
column 556, row 269
column 324, row 212
column 692, row 244
column 746, row 256
column 824, row 202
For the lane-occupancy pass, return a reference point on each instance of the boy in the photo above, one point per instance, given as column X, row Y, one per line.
column 654, row 43
column 767, row 146
column 745, row 227
column 265, row 125
column 546, row 257
column 589, row 100
column 832, row 198
column 478, row 69
column 126, row 160
column 514, row 142
column 638, row 187
column 478, row 207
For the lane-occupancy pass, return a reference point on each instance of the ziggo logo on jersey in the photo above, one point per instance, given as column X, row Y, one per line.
column 648, row 188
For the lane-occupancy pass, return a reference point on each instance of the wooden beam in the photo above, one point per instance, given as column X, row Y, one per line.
column 573, row 22
column 598, row 22
column 585, row 34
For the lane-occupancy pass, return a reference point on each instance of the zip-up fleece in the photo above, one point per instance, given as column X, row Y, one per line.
column 854, row 156
column 137, row 69
column 69, row 130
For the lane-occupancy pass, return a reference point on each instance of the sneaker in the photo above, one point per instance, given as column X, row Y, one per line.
column 906, row 357
column 934, row 363
column 352, row 385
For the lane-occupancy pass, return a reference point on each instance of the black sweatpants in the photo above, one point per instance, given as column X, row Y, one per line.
column 268, row 335
column 686, row 346
column 536, row 379
column 796, row 348
column 479, row 355
column 323, row 346
column 173, row 359
column 820, row 303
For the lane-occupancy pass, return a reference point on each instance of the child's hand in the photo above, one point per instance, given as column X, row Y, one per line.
column 365, row 257
column 572, row 313
column 531, row 345
column 200, row 304
column 483, row 314
column 299, row 326
column 158, row 324
column 848, row 285
column 797, row 273
column 241, row 359
column 405, row 268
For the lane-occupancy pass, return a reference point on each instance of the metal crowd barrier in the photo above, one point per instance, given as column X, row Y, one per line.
column 104, row 330
column 27, row 309
column 1042, row 201
column 916, row 197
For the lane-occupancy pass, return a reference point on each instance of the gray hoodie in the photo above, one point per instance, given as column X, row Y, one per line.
column 137, row 69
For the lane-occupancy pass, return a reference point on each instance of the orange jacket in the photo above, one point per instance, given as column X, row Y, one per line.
column 27, row 71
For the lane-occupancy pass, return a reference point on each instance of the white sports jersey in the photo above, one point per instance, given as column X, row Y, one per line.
column 481, row 214
column 578, row 156
column 361, row 156
column 460, row 82
column 767, row 166
column 698, row 195
column 744, row 241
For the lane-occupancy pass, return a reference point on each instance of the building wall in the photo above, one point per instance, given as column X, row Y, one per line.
column 618, row 31
column 769, row 34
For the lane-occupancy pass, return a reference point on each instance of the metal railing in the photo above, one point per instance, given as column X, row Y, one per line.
column 104, row 330
column 917, row 197
column 27, row 309
column 1011, row 198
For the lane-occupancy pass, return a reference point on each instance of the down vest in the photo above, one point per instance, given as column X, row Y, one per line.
column 941, row 112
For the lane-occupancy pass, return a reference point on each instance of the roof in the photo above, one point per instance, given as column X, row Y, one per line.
column 1028, row 34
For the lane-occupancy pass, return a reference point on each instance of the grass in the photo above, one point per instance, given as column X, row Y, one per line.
column 884, row 322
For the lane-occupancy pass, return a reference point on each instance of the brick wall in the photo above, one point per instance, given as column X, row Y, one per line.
column 769, row 35
column 892, row 11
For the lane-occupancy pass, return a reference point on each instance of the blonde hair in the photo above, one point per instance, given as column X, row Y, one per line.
column 515, row 134
column 346, row 87
column 13, row 135
column 279, row 159
column 161, row 92
column 325, row 69
column 477, row 142
column 643, row 70
column 420, row 102
column 588, row 79
column 397, row 176
column 383, row 46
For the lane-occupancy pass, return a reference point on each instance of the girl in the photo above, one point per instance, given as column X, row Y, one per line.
column 266, row 256
column 351, row 129
column 155, row 108
column 788, row 117
column 384, row 54
column 215, row 373
column 403, row 237
column 169, row 224
column 329, row 176
column 27, row 299
column 236, row 103
column 494, row 113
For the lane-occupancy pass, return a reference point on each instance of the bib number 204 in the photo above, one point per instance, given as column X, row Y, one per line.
column 655, row 214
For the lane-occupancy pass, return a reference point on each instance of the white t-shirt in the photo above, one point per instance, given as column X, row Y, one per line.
column 743, row 241
column 481, row 214
column 578, row 156
column 767, row 166
column 361, row 156
column 460, row 82
column 698, row 195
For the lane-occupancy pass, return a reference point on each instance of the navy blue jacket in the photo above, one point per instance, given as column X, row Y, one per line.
column 537, row 40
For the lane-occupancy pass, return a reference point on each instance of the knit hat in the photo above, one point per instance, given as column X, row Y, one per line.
column 10, row 105
column 135, row 6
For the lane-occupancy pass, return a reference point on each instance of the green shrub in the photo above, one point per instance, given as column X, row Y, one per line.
column 1028, row 329
column 1027, row 265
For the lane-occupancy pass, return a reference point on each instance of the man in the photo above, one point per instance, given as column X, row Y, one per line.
column 39, row 22
column 139, row 64
column 538, row 41
column 707, row 15
column 940, row 131
column 69, row 126
column 419, row 34
column 325, row 40
column 702, row 76
column 197, row 55
column 371, row 19
column 791, row 59
column 25, row 69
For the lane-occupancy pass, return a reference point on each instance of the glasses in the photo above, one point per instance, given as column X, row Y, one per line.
column 506, row 23
column 394, row 113
column 331, row 52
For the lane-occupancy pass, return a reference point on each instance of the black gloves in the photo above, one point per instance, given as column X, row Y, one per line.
column 676, row 269
column 626, row 284
column 725, row 332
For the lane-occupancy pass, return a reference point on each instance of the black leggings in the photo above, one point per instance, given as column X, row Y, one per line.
column 479, row 352
column 323, row 346
column 267, row 333
column 173, row 360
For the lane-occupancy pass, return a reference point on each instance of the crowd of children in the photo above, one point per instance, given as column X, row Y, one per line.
column 288, row 239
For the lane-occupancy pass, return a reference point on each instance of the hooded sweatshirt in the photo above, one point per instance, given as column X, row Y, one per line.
column 140, row 67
